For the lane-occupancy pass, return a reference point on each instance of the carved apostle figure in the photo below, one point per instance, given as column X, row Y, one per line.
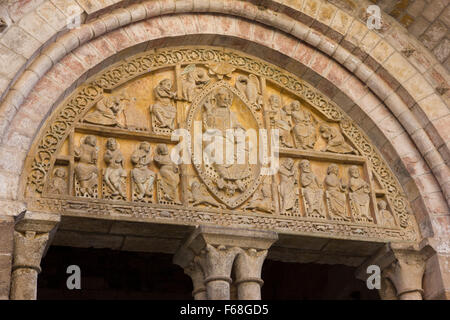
column 250, row 88
column 288, row 186
column 312, row 191
column 304, row 127
column 335, row 140
column 261, row 199
column 168, row 172
column 386, row 218
column 335, row 194
column 142, row 177
column 86, row 172
column 193, row 79
column 59, row 184
column 199, row 195
column 217, row 118
column 105, row 112
column 359, row 196
column 163, row 110
column 280, row 118
column 115, row 174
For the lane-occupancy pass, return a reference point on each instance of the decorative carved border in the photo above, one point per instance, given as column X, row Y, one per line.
column 59, row 126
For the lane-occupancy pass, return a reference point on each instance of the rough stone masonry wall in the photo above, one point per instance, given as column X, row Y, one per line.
column 405, row 112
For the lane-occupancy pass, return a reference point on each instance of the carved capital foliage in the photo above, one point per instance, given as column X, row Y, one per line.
column 249, row 263
column 28, row 249
column 217, row 262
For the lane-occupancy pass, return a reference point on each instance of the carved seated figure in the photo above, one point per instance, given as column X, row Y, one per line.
column 261, row 199
column 142, row 177
column 312, row 191
column 335, row 194
column 86, row 172
column 59, row 183
column 198, row 196
column 304, row 127
column 335, row 141
column 168, row 172
column 105, row 112
column 385, row 216
column 288, row 188
column 163, row 110
column 359, row 196
column 115, row 175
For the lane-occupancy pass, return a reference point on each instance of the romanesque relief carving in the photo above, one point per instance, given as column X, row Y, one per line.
column 114, row 177
column 359, row 196
column 280, row 118
column 221, row 89
column 336, row 194
column 304, row 127
column 288, row 188
column 142, row 178
column 335, row 141
column 198, row 195
column 86, row 172
column 59, row 183
column 193, row 80
column 251, row 89
column 164, row 111
column 262, row 198
column 105, row 112
column 385, row 217
column 168, row 177
column 312, row 191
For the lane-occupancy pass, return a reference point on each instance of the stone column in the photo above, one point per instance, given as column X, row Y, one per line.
column 403, row 268
column 198, row 281
column 214, row 250
column 31, row 239
column 249, row 264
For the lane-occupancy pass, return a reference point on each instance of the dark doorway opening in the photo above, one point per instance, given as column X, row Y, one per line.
column 112, row 274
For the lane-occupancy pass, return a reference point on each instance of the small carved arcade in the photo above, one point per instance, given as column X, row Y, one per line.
column 116, row 140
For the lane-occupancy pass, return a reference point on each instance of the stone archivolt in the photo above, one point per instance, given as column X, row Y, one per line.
column 110, row 144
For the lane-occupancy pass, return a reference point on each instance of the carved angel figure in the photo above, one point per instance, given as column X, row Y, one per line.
column 385, row 216
column 304, row 127
column 312, row 191
column 163, row 110
column 250, row 88
column 359, row 196
column 86, row 172
column 198, row 196
column 335, row 140
column 168, row 172
column 288, row 185
column 143, row 178
column 280, row 118
column 115, row 174
column 105, row 112
column 335, row 194
column 59, row 183
column 261, row 199
column 193, row 79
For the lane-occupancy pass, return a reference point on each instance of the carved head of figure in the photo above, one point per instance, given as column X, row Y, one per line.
column 305, row 166
column 111, row 144
column 224, row 98
column 325, row 131
column 382, row 205
column 90, row 141
column 60, row 173
column 162, row 149
column 274, row 101
column 354, row 172
column 145, row 146
column 288, row 163
column 201, row 75
column 195, row 185
column 333, row 169
column 295, row 105
column 166, row 84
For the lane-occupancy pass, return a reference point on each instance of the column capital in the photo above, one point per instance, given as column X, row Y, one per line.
column 403, row 266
